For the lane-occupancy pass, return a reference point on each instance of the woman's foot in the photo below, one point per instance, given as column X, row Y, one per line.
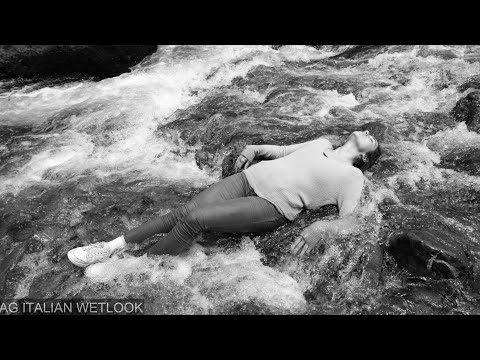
column 98, row 252
column 90, row 254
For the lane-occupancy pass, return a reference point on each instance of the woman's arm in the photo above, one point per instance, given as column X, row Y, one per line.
column 325, row 231
column 329, row 229
column 266, row 152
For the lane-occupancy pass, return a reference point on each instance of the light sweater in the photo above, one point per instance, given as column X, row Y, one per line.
column 301, row 177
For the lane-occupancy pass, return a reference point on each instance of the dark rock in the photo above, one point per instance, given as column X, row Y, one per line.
column 472, row 83
column 400, row 78
column 33, row 245
column 468, row 109
column 446, row 54
column 362, row 51
column 468, row 162
column 249, row 308
column 371, row 264
column 100, row 61
column 53, row 282
column 430, row 252
column 420, row 296
column 8, row 263
column 471, row 53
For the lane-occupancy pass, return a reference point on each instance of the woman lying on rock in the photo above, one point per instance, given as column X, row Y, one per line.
column 260, row 198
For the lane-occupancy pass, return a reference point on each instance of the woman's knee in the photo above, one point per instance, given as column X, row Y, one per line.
column 195, row 219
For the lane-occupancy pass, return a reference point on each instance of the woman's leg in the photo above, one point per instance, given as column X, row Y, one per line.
column 234, row 186
column 240, row 215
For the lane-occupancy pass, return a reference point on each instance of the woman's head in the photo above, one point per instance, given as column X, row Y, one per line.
column 368, row 148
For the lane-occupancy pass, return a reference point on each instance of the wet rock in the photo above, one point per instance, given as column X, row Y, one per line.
column 472, row 53
column 400, row 78
column 249, row 308
column 472, row 83
column 420, row 295
column 100, row 61
column 362, row 51
column 33, row 245
column 423, row 235
column 8, row 263
column 52, row 283
column 468, row 162
column 430, row 252
column 371, row 264
column 440, row 52
column 468, row 109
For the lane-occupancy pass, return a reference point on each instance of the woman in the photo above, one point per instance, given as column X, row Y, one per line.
column 261, row 198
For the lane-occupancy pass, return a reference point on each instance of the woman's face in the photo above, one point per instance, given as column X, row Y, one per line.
column 364, row 142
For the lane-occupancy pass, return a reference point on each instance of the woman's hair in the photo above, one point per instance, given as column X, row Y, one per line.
column 372, row 157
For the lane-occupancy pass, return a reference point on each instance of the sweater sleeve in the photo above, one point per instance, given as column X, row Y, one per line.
column 350, row 196
column 270, row 152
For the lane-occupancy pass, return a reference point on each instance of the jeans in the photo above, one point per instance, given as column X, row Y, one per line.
column 228, row 206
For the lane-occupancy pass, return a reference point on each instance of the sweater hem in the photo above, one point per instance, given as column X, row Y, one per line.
column 254, row 186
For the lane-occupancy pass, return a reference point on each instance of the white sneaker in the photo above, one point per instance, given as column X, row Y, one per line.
column 90, row 254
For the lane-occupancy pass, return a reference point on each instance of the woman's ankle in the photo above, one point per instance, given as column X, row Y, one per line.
column 117, row 244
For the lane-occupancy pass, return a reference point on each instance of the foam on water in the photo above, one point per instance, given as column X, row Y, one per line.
column 108, row 126
column 206, row 283
column 457, row 139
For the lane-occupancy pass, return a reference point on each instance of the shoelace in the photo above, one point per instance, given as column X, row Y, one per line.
column 95, row 249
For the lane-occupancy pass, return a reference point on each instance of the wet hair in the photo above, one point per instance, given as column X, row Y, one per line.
column 372, row 157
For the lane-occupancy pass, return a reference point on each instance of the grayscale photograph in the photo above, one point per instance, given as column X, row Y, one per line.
column 240, row 180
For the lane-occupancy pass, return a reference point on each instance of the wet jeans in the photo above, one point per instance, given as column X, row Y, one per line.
column 228, row 206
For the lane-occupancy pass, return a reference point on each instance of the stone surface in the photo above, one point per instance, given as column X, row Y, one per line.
column 468, row 109
column 431, row 252
column 100, row 61
column 8, row 263
column 444, row 53
column 468, row 162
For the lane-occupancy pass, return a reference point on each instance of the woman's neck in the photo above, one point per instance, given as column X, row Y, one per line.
column 347, row 153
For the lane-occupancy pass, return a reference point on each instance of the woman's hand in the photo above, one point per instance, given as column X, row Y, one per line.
column 242, row 161
column 245, row 158
column 306, row 241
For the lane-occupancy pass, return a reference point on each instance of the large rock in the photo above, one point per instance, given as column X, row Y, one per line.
column 439, row 51
column 468, row 109
column 100, row 61
column 430, row 252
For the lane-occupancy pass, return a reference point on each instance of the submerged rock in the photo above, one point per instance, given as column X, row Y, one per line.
column 100, row 61
column 468, row 109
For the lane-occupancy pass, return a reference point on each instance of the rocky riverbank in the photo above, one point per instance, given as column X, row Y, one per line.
column 77, row 61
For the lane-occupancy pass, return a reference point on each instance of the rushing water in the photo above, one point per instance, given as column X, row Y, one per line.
column 78, row 156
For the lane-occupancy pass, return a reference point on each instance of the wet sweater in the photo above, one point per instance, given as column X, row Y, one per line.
column 301, row 177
